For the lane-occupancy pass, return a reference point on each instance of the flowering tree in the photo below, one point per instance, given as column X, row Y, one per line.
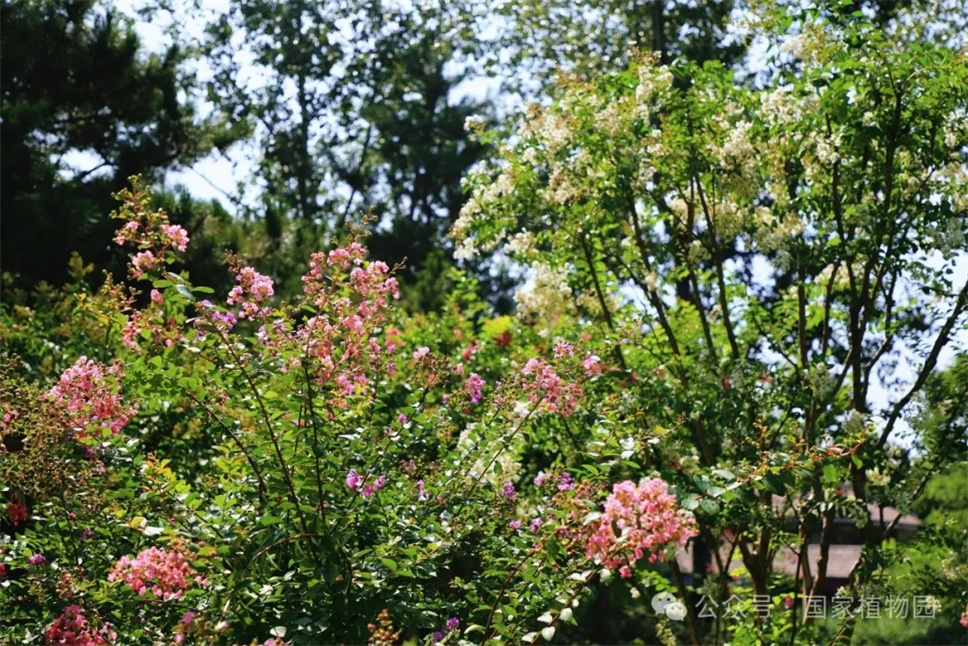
column 775, row 267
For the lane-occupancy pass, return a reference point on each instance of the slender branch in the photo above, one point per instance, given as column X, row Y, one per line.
column 720, row 277
column 235, row 438
column 601, row 298
column 928, row 366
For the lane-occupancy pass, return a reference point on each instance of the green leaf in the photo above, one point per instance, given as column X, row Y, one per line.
column 724, row 474
column 775, row 484
column 830, row 473
column 186, row 292
column 709, row 506
column 390, row 564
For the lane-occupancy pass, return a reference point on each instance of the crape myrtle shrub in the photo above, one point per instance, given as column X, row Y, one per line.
column 365, row 487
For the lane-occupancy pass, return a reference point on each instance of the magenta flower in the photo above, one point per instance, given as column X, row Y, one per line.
column 508, row 490
column 36, row 559
column 354, row 480
column 565, row 484
column 474, row 385
column 452, row 623
column 71, row 627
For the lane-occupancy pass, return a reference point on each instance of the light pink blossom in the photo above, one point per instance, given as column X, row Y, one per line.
column 164, row 573
column 639, row 519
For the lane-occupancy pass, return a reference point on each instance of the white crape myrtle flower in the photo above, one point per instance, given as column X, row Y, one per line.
column 566, row 614
column 547, row 296
column 653, row 79
column 520, row 243
column 555, row 132
column 467, row 250
column 548, row 633
column 878, row 479
column 505, row 468
column 628, row 447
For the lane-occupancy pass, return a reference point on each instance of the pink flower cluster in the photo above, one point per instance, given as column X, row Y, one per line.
column 474, row 385
column 647, row 519
column 174, row 235
column 143, row 262
column 91, row 395
column 341, row 336
column 166, row 574
column 355, row 480
column 151, row 233
column 545, row 386
column 592, row 365
column 253, row 290
column 72, row 629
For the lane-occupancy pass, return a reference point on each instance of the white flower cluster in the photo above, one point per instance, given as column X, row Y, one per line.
column 546, row 297
column 654, row 80
column 520, row 243
column 485, row 194
column 506, row 461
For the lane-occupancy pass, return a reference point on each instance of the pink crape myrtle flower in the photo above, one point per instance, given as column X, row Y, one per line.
column 544, row 385
column 474, row 385
column 128, row 233
column 142, row 262
column 164, row 573
column 72, row 629
column 421, row 352
column 563, row 349
column 639, row 519
column 592, row 365
column 175, row 235
column 354, row 480
column 252, row 290
column 91, row 395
